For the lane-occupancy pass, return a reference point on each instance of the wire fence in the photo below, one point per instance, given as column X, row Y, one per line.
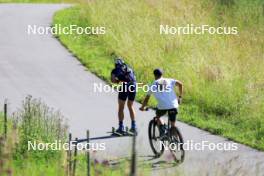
column 72, row 155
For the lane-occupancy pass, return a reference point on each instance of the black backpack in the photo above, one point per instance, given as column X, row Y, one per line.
column 126, row 70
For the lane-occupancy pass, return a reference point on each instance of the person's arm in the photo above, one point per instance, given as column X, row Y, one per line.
column 145, row 102
column 180, row 86
column 114, row 79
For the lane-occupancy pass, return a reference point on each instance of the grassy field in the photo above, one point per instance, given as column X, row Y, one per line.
column 222, row 74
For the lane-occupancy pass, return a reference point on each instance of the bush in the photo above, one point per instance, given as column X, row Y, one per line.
column 37, row 122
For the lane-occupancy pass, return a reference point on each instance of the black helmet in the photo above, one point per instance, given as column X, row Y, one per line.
column 158, row 72
column 119, row 62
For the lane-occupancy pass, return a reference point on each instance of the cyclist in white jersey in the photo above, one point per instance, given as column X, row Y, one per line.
column 168, row 102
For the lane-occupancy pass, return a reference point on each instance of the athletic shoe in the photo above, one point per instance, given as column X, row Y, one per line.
column 120, row 130
column 133, row 130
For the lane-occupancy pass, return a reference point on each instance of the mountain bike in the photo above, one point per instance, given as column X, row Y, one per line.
column 159, row 142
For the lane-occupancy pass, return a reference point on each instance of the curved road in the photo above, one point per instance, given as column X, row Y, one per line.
column 39, row 65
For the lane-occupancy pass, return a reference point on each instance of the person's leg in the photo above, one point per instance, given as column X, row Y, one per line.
column 132, row 115
column 130, row 102
column 131, row 110
column 162, row 127
column 172, row 117
column 160, row 113
column 172, row 113
column 173, row 123
column 159, row 120
column 121, row 106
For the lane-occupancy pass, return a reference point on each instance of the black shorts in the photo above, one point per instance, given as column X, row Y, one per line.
column 172, row 113
column 128, row 92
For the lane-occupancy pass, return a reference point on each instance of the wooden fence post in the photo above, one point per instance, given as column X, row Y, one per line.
column 5, row 119
column 133, row 158
column 75, row 158
column 88, row 153
column 69, row 156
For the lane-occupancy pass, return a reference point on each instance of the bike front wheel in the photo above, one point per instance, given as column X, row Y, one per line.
column 154, row 138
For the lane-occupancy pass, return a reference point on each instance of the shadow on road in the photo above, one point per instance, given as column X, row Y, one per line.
column 148, row 162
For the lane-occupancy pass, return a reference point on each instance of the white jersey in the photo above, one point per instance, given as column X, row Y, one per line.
column 163, row 91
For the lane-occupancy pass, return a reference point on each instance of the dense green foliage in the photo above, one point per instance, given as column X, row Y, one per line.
column 41, row 1
column 36, row 122
column 222, row 74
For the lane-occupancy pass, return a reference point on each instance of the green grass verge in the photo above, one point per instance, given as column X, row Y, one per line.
column 41, row 1
column 120, row 168
column 217, row 96
column 35, row 121
column 31, row 1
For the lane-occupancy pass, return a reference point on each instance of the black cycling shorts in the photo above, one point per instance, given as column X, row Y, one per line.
column 127, row 93
column 172, row 113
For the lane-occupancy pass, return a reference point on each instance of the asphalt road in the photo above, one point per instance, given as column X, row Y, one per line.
column 40, row 66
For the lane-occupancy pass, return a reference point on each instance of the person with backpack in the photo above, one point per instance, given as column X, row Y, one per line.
column 123, row 74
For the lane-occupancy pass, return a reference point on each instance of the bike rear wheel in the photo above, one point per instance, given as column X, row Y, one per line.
column 176, row 146
column 154, row 138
